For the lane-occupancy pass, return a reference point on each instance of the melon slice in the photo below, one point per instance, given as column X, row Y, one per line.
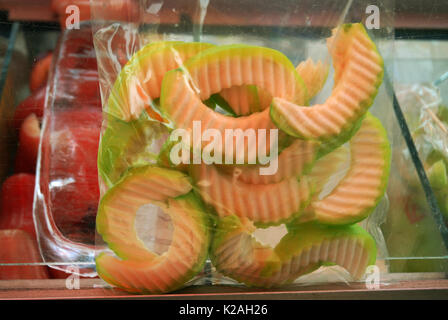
column 139, row 82
column 358, row 74
column 360, row 190
column 169, row 271
column 118, row 207
column 246, row 99
column 294, row 161
column 264, row 204
column 314, row 75
column 238, row 255
column 224, row 67
column 125, row 144
column 140, row 269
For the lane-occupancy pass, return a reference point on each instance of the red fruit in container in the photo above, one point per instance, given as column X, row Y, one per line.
column 39, row 71
column 74, row 190
column 17, row 196
column 32, row 104
column 29, row 138
column 17, row 246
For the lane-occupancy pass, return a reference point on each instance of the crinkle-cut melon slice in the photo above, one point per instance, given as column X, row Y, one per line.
column 326, row 170
column 223, row 67
column 169, row 271
column 294, row 161
column 314, row 74
column 237, row 254
column 119, row 205
column 128, row 144
column 139, row 82
column 246, row 99
column 264, row 204
column 327, row 166
column 360, row 190
column 359, row 73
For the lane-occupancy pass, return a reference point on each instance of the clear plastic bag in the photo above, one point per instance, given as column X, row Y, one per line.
column 178, row 206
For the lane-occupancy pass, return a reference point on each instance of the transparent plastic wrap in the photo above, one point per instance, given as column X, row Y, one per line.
column 426, row 244
column 67, row 190
column 242, row 142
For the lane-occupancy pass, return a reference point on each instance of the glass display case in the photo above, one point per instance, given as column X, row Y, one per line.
column 59, row 70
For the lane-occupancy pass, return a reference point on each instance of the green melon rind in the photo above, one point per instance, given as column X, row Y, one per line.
column 282, row 122
column 115, row 102
column 143, row 172
column 125, row 144
column 384, row 178
column 194, row 202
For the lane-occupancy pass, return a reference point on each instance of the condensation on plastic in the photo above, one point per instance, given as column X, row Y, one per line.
column 297, row 29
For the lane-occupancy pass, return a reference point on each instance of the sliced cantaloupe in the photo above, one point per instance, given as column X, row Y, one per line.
column 358, row 74
column 125, row 144
column 294, row 161
column 139, row 82
column 314, row 74
column 246, row 99
column 169, row 271
column 237, row 254
column 118, row 207
column 223, row 67
column 360, row 190
column 264, row 204
column 142, row 270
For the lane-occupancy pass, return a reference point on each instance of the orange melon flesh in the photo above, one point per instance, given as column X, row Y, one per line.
column 314, row 75
column 118, row 207
column 359, row 71
column 246, row 99
column 264, row 204
column 224, row 67
column 171, row 270
column 293, row 161
column 238, row 255
column 183, row 106
column 358, row 193
column 139, row 82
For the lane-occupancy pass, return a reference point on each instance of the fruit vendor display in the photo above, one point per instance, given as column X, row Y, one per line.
column 215, row 207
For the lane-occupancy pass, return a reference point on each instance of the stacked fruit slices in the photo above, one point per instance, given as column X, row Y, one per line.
column 215, row 208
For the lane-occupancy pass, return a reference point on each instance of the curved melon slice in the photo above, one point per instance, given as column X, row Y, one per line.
column 118, row 207
column 169, row 271
column 314, row 74
column 359, row 72
column 246, row 99
column 358, row 193
column 264, row 204
column 223, row 67
column 293, row 161
column 139, row 82
column 238, row 255
column 125, row 144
